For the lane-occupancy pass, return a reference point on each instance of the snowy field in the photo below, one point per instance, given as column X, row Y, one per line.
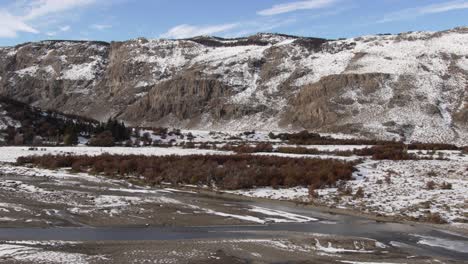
column 422, row 190
column 35, row 252
column 399, row 189
column 404, row 189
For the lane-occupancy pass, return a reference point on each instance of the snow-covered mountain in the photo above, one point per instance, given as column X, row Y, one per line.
column 411, row 85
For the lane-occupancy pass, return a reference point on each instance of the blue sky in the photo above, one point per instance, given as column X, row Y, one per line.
column 32, row 20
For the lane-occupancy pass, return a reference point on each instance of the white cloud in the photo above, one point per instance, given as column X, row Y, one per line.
column 295, row 6
column 187, row 31
column 444, row 7
column 252, row 27
column 65, row 28
column 424, row 10
column 40, row 8
column 100, row 26
column 10, row 25
column 60, row 29
column 29, row 12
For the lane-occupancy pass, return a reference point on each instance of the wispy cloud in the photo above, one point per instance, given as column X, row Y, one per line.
column 252, row 27
column 10, row 25
column 295, row 6
column 60, row 30
column 239, row 28
column 40, row 8
column 187, row 31
column 65, row 28
column 29, row 12
column 100, row 26
column 424, row 10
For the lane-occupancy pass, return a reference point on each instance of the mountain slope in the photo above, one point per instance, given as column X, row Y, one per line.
column 22, row 124
column 411, row 85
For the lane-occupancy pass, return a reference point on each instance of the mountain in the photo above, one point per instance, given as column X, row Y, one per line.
column 410, row 86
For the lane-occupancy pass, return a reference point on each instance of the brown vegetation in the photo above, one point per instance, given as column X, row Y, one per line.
column 103, row 139
column 228, row 172
column 394, row 151
column 307, row 138
column 464, row 150
column 430, row 185
column 435, row 218
column 446, row 186
column 431, row 146
column 359, row 193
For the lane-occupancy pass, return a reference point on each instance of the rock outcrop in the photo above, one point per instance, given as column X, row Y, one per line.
column 411, row 85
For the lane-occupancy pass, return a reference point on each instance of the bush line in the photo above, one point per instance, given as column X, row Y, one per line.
column 224, row 171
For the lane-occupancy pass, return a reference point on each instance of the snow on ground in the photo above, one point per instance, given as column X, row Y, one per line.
column 450, row 244
column 400, row 188
column 291, row 194
column 290, row 155
column 60, row 174
column 281, row 216
column 330, row 249
column 332, row 147
column 10, row 154
column 6, row 121
column 454, row 155
column 204, row 136
column 100, row 195
column 333, row 247
column 31, row 252
column 393, row 188
column 262, row 215
column 390, row 188
column 29, row 71
column 85, row 71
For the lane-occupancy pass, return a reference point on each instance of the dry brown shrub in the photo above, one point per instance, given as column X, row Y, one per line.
column 226, row 171
column 435, row 218
column 446, row 186
column 430, row 185
column 359, row 193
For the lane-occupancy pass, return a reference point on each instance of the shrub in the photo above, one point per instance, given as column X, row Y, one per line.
column 298, row 150
column 431, row 146
column 464, row 150
column 226, row 171
column 446, row 186
column 103, row 139
column 388, row 179
column 359, row 193
column 313, row 192
column 435, row 218
column 244, row 148
column 345, row 190
column 389, row 152
column 430, row 185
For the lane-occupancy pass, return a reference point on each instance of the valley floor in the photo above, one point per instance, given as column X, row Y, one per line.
column 94, row 219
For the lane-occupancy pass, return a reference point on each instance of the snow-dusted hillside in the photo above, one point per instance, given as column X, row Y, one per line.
column 20, row 123
column 411, row 85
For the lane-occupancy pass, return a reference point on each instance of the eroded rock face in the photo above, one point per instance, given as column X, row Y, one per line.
column 324, row 104
column 411, row 85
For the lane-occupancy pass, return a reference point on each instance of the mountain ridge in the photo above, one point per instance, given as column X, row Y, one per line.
column 409, row 86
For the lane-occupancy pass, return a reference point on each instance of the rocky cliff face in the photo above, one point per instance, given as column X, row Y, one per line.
column 412, row 85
